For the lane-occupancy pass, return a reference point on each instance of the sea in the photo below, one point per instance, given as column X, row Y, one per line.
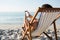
column 15, row 17
column 11, row 17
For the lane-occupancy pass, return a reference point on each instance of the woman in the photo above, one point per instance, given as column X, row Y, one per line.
column 35, row 22
column 28, row 18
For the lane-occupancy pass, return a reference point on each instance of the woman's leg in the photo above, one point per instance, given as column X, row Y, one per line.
column 27, row 21
column 28, row 15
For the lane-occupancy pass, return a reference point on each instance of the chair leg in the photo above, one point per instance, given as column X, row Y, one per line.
column 55, row 30
column 24, row 34
column 28, row 35
column 48, row 36
column 30, row 38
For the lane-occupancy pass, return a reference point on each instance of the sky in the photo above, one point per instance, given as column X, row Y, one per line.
column 22, row 5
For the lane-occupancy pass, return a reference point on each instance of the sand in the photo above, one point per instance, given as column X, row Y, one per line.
column 18, row 26
column 10, row 26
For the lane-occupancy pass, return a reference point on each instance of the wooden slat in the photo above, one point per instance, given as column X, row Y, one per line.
column 48, row 9
column 45, row 10
column 55, row 30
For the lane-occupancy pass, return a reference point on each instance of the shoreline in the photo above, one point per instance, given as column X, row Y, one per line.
column 10, row 26
column 17, row 26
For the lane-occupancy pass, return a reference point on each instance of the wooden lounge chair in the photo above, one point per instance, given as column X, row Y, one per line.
column 48, row 17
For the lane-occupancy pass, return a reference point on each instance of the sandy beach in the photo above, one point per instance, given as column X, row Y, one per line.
column 17, row 31
column 18, row 26
column 10, row 26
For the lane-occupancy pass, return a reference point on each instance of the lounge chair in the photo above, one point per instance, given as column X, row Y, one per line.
column 48, row 17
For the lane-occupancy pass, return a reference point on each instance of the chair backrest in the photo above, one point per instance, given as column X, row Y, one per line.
column 45, row 10
column 46, row 19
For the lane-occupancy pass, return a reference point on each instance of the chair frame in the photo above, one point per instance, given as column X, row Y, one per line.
column 42, row 10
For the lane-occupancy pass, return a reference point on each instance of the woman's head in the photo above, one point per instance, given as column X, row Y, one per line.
column 46, row 6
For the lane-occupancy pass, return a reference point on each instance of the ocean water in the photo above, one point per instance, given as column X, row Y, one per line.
column 11, row 17
column 14, row 17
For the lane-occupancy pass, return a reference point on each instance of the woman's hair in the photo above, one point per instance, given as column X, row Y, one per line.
column 46, row 6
